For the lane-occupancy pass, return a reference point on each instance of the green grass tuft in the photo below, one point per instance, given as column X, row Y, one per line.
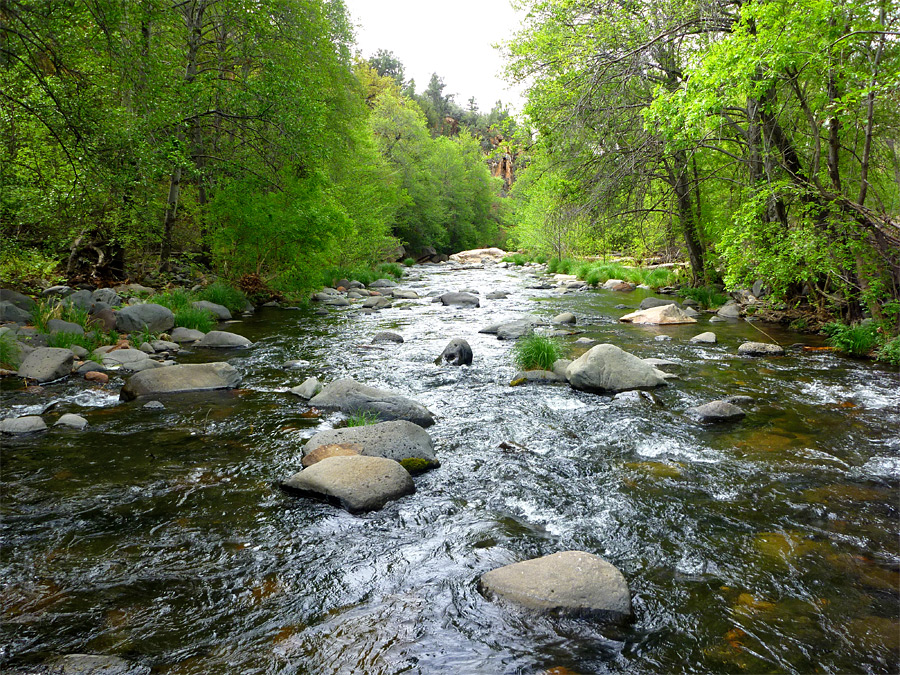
column 707, row 296
column 9, row 352
column 195, row 318
column 362, row 418
column 409, row 262
column 46, row 310
column 390, row 269
column 858, row 340
column 225, row 295
column 536, row 352
column 175, row 299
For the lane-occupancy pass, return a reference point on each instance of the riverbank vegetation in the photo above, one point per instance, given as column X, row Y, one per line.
column 755, row 140
column 203, row 135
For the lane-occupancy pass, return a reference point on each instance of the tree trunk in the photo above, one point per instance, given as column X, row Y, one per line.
column 682, row 186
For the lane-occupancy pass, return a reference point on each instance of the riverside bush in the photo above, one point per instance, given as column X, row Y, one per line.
column 225, row 295
column 859, row 340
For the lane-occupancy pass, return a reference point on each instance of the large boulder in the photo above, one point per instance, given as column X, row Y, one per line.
column 730, row 310
column 608, row 368
column 181, row 378
column 716, row 411
column 19, row 300
column 220, row 339
column 46, row 364
column 357, row 482
column 107, row 296
column 460, row 300
column 129, row 359
column 456, row 353
column 351, row 397
column 81, row 299
column 404, row 294
column 399, row 440
column 479, row 255
column 569, row 582
column 760, row 349
column 655, row 316
column 19, row 426
column 14, row 313
column 221, row 312
column 148, row 316
column 71, row 420
column 183, row 335
column 377, row 302
column 60, row 326
column 513, row 330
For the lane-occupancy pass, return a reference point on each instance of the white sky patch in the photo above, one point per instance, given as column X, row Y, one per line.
column 453, row 40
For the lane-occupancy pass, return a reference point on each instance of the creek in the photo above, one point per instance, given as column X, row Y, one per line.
column 767, row 545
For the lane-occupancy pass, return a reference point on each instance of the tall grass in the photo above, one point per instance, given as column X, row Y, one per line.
column 516, row 258
column 600, row 272
column 175, row 299
column 706, row 296
column 858, row 340
column 536, row 352
column 9, row 353
column 195, row 318
column 362, row 274
column 361, row 419
column 46, row 310
column 225, row 295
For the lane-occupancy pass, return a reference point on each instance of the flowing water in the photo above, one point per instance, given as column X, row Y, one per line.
column 768, row 545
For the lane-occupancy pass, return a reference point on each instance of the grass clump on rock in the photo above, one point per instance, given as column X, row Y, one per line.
column 416, row 465
column 225, row 295
column 536, row 352
column 195, row 318
column 362, row 419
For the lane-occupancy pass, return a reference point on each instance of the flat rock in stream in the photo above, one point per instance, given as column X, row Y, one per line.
column 662, row 315
column 513, row 330
column 460, row 300
column 351, row 397
column 181, row 378
column 568, row 583
column 310, row 387
column 47, row 364
column 72, row 421
column 398, row 440
column 19, row 426
column 357, row 482
column 760, row 349
column 716, row 411
column 605, row 367
column 220, row 339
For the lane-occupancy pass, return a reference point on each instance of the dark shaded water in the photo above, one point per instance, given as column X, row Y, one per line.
column 765, row 546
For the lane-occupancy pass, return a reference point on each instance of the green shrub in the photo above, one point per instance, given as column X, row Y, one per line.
column 195, row 318
column 553, row 265
column 707, row 296
column 175, row 299
column 389, row 269
column 21, row 266
column 659, row 277
column 9, row 353
column 362, row 419
column 859, row 340
column 536, row 352
column 889, row 352
column 593, row 277
column 516, row 258
column 409, row 262
column 225, row 295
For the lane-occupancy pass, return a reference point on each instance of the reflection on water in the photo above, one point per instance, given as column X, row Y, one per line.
column 764, row 546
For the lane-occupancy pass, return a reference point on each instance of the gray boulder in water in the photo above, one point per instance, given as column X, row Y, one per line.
column 351, row 397
column 151, row 317
column 569, row 582
column 456, row 353
column 357, row 482
column 605, row 367
column 19, row 426
column 460, row 300
column 181, row 378
column 46, row 364
column 398, row 440
column 716, row 411
column 221, row 339
column 760, row 349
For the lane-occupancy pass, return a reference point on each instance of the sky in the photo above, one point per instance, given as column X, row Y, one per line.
column 452, row 39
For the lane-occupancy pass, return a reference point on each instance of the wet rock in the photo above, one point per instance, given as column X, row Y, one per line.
column 514, row 330
column 19, row 426
column 399, row 440
column 351, row 397
column 107, row 296
column 72, row 421
column 546, row 376
column 560, row 366
column 608, row 368
column 760, row 349
column 153, row 405
column 738, row 399
column 708, row 338
column 21, row 301
column 221, row 312
column 660, row 315
column 165, row 346
column 618, row 285
column 387, row 336
column 730, row 310
column 358, row 483
column 491, row 329
column 716, row 411
column 181, row 378
column 220, row 339
column 130, row 359
column 295, row 364
column 383, row 283
column 310, row 387
column 11, row 312
column 497, row 295
column 404, row 295
column 633, row 396
column 569, row 583
column 456, row 353
column 90, row 664
column 650, row 303
column 46, row 364
column 337, row 302
column 460, row 300
column 565, row 317
column 330, row 450
column 186, row 335
column 96, row 375
column 718, row 319
column 377, row 302
column 148, row 316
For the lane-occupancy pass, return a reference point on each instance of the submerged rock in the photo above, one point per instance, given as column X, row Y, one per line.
column 760, row 349
column 716, row 411
column 569, row 582
column 661, row 315
column 181, row 378
column 605, row 367
column 456, row 353
column 351, row 397
column 71, row 420
column 357, row 482
column 46, row 364
column 398, row 440
column 19, row 426
column 386, row 336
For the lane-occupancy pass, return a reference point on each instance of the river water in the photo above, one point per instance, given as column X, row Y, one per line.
column 765, row 546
